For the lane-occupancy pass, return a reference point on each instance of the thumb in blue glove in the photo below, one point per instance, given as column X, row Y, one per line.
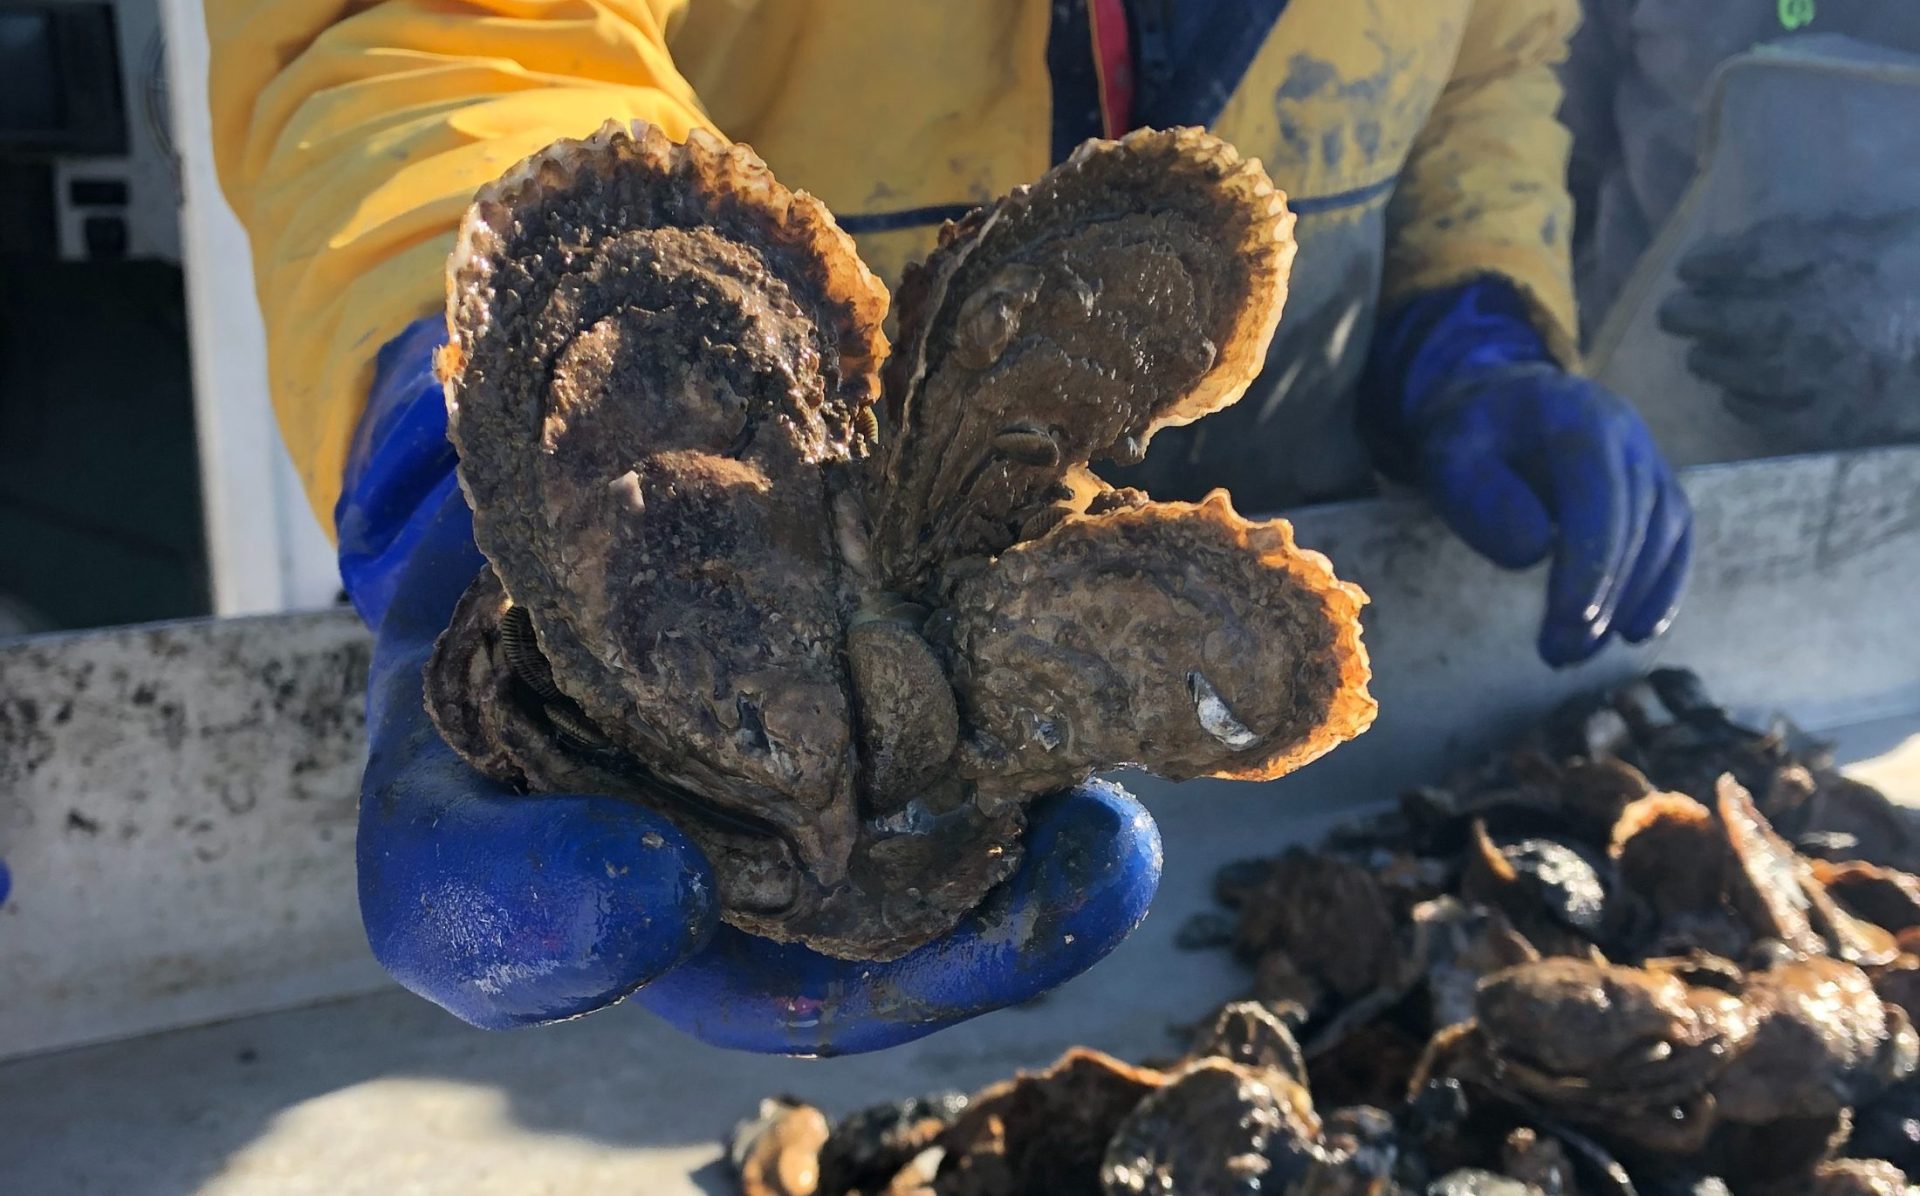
column 515, row 910
column 505, row 909
column 1525, row 461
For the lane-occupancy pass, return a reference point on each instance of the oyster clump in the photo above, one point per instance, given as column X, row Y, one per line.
column 839, row 612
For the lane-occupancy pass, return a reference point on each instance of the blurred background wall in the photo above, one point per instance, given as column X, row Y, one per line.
column 141, row 474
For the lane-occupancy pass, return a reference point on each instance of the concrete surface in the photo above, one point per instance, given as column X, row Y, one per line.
column 177, row 810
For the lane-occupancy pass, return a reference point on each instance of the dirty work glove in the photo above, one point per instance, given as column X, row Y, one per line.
column 513, row 910
column 1809, row 326
column 1524, row 461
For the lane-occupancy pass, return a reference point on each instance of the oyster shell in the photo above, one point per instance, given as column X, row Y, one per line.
column 841, row 637
column 1553, row 891
column 1698, row 1056
column 1456, row 945
column 1610, row 1045
column 1218, row 1128
column 1538, row 1161
column 1889, row 1128
column 1328, row 916
column 872, row 1146
column 777, row 1151
column 1887, row 897
column 1595, row 793
column 1668, row 848
column 1470, row 1181
column 1135, row 286
column 1765, row 883
column 1248, row 1034
column 1043, row 1131
column 1360, row 1156
column 1860, row 1177
column 1824, row 1040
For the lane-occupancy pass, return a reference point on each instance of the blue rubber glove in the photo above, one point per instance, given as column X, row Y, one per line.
column 511, row 910
column 1524, row 460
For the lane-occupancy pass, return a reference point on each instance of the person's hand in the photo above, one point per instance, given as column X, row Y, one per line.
column 1525, row 461
column 1810, row 327
column 512, row 910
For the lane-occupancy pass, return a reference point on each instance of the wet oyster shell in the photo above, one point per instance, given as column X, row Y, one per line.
column 1042, row 1131
column 1360, row 1156
column 1669, row 850
column 1455, row 947
column 1587, row 1037
column 1471, row 1181
column 1860, row 1177
column 1538, row 1161
column 1823, row 1041
column 1327, row 916
column 1217, row 1128
column 727, row 582
column 777, row 1151
column 1247, row 1033
column 1887, row 897
column 1764, row 884
column 872, row 1146
column 1553, row 891
column 1192, row 615
column 1135, row 286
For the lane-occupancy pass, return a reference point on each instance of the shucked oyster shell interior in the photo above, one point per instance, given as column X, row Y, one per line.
column 840, row 613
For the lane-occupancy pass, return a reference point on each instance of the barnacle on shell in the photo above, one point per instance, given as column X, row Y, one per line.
column 839, row 613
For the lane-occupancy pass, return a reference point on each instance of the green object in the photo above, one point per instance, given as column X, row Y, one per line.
column 1795, row 14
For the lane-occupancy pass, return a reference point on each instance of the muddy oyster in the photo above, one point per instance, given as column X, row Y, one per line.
column 1860, row 1177
column 868, row 1149
column 1042, row 1131
column 1218, row 1128
column 1823, row 1040
column 1632, row 1049
column 841, row 627
column 777, row 1151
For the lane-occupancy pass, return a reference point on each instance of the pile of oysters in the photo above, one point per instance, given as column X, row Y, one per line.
column 842, row 611
column 1647, row 950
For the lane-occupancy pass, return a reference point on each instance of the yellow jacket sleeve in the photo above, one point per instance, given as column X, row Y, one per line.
column 350, row 136
column 1484, row 187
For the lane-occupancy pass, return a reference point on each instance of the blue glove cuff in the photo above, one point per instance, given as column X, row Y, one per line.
column 399, row 469
column 1425, row 346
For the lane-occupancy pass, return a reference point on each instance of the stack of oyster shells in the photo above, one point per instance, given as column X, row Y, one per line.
column 1648, row 949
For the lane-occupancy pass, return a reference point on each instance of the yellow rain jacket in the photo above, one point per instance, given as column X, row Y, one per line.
column 1415, row 138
